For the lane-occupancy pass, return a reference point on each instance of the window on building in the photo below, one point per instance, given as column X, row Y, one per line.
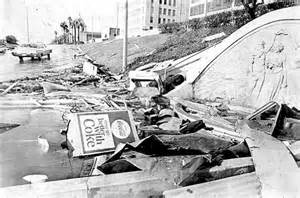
column 197, row 10
column 151, row 19
column 174, row 12
column 169, row 12
column 152, row 1
column 195, row 1
column 170, row 2
column 165, row 11
column 160, row 10
column 216, row 5
column 174, row 2
column 169, row 20
column 164, row 20
column 160, row 1
column 159, row 20
column 165, row 2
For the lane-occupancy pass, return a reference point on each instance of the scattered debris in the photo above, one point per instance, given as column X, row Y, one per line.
column 9, row 88
column 117, row 124
column 213, row 37
column 89, row 68
column 51, row 87
column 5, row 127
column 35, row 178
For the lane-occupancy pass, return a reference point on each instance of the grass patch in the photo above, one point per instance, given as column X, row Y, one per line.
column 182, row 44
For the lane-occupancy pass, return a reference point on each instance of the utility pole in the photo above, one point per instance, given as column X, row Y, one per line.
column 27, row 21
column 125, row 47
column 117, row 15
column 92, row 29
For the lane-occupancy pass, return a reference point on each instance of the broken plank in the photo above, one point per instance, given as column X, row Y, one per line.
column 192, row 105
column 9, row 88
column 207, row 119
column 246, row 185
column 232, row 167
column 227, row 130
column 229, row 167
column 277, row 170
column 132, row 184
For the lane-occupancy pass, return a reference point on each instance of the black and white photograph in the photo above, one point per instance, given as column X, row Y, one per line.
column 149, row 98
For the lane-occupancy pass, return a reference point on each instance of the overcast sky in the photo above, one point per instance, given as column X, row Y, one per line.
column 46, row 15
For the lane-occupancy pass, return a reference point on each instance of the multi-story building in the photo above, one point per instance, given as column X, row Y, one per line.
column 202, row 8
column 145, row 15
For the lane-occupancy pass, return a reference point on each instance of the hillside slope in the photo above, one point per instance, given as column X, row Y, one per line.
column 109, row 53
column 155, row 48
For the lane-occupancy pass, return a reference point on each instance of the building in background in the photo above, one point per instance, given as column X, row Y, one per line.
column 85, row 37
column 113, row 32
column 144, row 16
column 106, row 34
column 202, row 8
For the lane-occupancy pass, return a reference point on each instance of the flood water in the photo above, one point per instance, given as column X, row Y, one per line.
column 11, row 68
column 20, row 152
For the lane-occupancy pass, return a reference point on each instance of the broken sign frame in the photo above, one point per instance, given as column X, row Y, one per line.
column 114, row 120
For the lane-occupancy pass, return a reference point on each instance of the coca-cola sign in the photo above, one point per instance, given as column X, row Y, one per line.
column 99, row 132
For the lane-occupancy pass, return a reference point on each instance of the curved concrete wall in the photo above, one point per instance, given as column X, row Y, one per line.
column 264, row 65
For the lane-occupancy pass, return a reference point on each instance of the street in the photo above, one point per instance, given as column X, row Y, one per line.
column 11, row 69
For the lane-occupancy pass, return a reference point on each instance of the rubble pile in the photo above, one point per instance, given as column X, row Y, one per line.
column 72, row 77
column 124, row 124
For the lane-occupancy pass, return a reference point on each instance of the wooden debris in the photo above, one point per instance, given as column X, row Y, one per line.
column 51, row 87
column 246, row 185
column 9, row 88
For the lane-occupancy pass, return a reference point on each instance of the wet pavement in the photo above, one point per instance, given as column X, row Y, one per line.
column 21, row 154
column 62, row 56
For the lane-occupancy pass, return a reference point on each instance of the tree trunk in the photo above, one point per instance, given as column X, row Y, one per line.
column 78, row 34
column 65, row 36
column 74, row 35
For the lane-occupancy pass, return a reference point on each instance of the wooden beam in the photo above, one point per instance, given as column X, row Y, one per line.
column 132, row 184
column 246, row 185
column 222, row 130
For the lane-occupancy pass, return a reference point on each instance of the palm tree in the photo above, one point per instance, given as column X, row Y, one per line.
column 55, row 33
column 81, row 26
column 70, row 21
column 76, row 26
column 65, row 29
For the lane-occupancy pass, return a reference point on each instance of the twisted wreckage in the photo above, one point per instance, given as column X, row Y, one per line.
column 195, row 133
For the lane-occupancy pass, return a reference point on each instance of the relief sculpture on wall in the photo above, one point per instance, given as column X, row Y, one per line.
column 268, row 70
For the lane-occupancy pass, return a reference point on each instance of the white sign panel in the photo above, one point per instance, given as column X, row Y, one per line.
column 95, row 132
column 99, row 132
